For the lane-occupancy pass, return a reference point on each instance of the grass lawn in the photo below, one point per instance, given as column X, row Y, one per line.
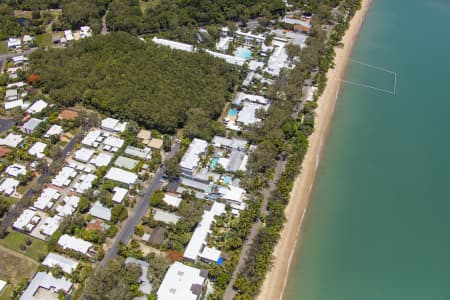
column 14, row 267
column 7, row 292
column 3, row 47
column 15, row 239
column 44, row 40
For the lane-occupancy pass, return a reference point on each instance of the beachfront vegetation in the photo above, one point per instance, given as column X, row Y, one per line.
column 287, row 137
column 129, row 79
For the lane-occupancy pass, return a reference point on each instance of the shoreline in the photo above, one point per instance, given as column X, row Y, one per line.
column 277, row 277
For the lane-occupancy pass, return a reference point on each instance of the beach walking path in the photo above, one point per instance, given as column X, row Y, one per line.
column 276, row 279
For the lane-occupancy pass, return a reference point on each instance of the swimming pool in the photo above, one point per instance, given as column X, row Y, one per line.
column 243, row 52
column 213, row 163
column 233, row 112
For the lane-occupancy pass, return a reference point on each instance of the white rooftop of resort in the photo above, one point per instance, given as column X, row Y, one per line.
column 232, row 143
column 84, row 154
column 19, row 84
column 198, row 239
column 37, row 107
column 247, row 115
column 244, row 97
column 173, row 44
column 233, row 195
column 210, row 254
column 112, row 124
column 166, row 217
column 16, row 170
column 114, row 142
column 31, row 125
column 119, row 194
column 125, row 162
column 69, row 207
column 68, row 35
column 101, row 212
column 91, row 138
column 50, row 225
column 278, row 60
column 54, row 130
column 144, row 153
column 120, row 175
column 296, row 38
column 85, row 183
column 234, row 60
column 68, row 265
column 259, row 37
column 14, row 43
column 101, row 160
column 254, row 65
column 181, row 282
column 8, row 186
column 11, row 140
column 42, row 280
column 75, row 244
column 64, row 177
column 172, row 200
column 27, row 220
column 191, row 157
column 47, row 199
column 16, row 103
column 37, row 149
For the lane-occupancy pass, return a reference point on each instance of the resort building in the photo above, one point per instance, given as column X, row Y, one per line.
column 182, row 282
column 191, row 159
column 174, row 45
column 101, row 160
column 229, row 144
column 85, row 31
column 16, row 170
column 113, row 125
column 120, row 175
column 30, row 126
column 125, row 162
column 69, row 206
column 27, row 221
column 37, row 149
column 46, row 286
column 14, row 43
column 101, row 212
column 84, row 183
column 8, row 186
column 84, row 154
column 172, row 200
column 198, row 240
column 75, row 244
column 47, row 199
column 93, row 138
column 145, row 153
column 64, row 177
column 50, row 225
column 119, row 194
column 54, row 130
column 11, row 140
column 68, row 265
column 37, row 107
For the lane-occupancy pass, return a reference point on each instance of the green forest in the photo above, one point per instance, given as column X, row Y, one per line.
column 130, row 79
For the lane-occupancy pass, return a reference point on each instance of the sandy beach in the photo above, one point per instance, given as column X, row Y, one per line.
column 275, row 282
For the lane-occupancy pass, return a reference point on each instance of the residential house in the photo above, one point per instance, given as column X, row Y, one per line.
column 46, row 286
column 30, row 126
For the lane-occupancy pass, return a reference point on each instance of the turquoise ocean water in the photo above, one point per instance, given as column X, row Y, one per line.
column 378, row 226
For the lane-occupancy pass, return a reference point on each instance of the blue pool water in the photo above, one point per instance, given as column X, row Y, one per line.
column 227, row 180
column 233, row 112
column 213, row 163
column 243, row 52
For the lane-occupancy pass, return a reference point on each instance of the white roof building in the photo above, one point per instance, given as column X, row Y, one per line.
column 37, row 107
column 54, row 130
column 233, row 143
column 234, row 60
column 233, row 195
column 42, row 280
column 101, row 212
column 172, row 200
column 85, row 183
column 182, row 282
column 64, row 177
column 20, row 59
column 119, row 194
column 68, row 265
column 14, row 43
column 114, row 143
column 51, row 224
column 145, row 153
column 247, row 115
column 125, row 162
column 37, row 149
column 27, row 38
column 101, row 160
column 210, row 254
column 173, row 44
column 30, row 126
column 85, row 31
column 16, row 170
column 191, row 157
column 8, row 186
column 3, row 284
column 26, row 221
column 13, row 104
column 120, row 175
column 11, row 140
column 144, row 284
column 278, row 60
column 68, row 35
column 69, row 207
column 84, row 154
column 75, row 244
column 114, row 125
column 47, row 199
column 244, row 97
column 198, row 239
column 91, row 138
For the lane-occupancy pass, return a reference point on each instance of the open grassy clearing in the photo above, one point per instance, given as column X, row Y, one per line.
column 14, row 240
column 14, row 267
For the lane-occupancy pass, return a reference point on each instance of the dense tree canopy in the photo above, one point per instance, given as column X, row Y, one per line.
column 8, row 23
column 128, row 78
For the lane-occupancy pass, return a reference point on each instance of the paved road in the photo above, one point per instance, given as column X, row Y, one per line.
column 139, row 212
column 26, row 198
column 230, row 293
column 6, row 124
